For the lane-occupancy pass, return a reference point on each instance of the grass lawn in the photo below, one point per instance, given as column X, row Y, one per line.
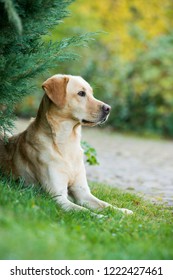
column 33, row 227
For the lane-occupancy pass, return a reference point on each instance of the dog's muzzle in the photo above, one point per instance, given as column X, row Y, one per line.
column 105, row 112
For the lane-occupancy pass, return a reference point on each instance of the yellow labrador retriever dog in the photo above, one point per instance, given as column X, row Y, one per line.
column 49, row 150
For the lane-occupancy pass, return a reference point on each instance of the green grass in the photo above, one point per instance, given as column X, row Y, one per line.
column 33, row 227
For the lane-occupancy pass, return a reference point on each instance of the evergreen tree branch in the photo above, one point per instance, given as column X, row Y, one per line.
column 12, row 15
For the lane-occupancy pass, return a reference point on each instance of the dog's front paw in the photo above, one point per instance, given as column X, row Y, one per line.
column 98, row 216
column 126, row 211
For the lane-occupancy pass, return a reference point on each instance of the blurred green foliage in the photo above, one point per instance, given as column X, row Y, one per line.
column 143, row 95
column 90, row 153
column 140, row 92
column 130, row 67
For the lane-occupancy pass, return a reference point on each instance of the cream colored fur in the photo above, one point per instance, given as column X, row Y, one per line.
column 49, row 151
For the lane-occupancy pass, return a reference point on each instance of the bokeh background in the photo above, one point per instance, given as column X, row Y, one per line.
column 129, row 62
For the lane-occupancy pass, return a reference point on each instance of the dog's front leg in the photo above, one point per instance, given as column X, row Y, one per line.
column 83, row 196
column 56, row 184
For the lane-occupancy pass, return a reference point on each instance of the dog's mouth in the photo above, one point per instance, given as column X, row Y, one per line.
column 103, row 120
column 87, row 122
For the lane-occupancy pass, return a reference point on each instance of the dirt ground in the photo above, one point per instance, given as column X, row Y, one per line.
column 133, row 164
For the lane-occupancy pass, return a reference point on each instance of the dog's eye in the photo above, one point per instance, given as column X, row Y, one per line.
column 82, row 93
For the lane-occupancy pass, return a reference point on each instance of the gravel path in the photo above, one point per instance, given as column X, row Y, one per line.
column 134, row 164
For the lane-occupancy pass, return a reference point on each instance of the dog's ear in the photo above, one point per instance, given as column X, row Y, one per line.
column 55, row 88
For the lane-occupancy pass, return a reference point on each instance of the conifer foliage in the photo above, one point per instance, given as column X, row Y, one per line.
column 23, row 53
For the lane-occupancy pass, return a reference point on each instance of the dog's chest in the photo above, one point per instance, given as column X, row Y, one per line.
column 71, row 156
column 65, row 155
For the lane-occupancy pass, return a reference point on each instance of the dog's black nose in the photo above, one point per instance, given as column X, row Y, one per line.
column 106, row 109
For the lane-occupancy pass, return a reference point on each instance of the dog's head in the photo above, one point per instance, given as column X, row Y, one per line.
column 74, row 99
